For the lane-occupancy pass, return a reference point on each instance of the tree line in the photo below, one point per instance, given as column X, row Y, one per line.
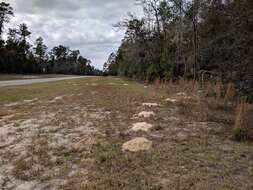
column 18, row 55
column 188, row 39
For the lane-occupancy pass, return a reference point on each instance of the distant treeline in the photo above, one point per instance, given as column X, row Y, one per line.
column 17, row 55
column 183, row 39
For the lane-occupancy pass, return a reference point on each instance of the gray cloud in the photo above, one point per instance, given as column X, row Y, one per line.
column 80, row 24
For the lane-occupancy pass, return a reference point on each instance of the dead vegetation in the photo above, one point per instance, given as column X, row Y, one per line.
column 243, row 129
column 210, row 102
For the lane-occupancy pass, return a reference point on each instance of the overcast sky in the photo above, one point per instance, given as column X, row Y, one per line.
column 86, row 25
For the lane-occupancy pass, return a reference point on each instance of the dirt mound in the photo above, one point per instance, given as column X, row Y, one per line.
column 137, row 144
column 58, row 98
column 146, row 114
column 142, row 126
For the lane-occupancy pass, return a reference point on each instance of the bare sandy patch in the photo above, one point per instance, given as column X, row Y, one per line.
column 7, row 117
column 146, row 114
column 183, row 95
column 30, row 101
column 172, row 100
column 26, row 186
column 58, row 98
column 4, row 130
column 179, row 97
column 150, row 104
column 99, row 114
column 141, row 126
column 30, row 123
column 12, row 104
column 40, row 142
column 137, row 144
column 87, row 128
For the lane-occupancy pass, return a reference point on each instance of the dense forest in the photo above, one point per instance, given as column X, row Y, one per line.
column 17, row 55
column 188, row 39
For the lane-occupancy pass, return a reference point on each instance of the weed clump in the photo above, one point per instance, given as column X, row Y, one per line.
column 21, row 169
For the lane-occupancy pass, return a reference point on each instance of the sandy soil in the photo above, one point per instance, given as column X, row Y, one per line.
column 97, row 133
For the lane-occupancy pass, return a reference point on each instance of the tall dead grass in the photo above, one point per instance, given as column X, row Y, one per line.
column 172, row 87
column 243, row 128
column 218, row 91
column 230, row 96
column 212, row 102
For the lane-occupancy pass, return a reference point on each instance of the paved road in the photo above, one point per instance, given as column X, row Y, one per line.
column 35, row 81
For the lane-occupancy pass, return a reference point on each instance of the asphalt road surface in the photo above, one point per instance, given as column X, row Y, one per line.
column 35, row 81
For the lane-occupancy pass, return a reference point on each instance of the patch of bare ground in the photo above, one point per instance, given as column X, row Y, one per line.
column 47, row 145
column 76, row 141
column 40, row 150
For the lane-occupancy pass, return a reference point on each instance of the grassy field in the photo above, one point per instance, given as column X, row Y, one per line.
column 69, row 135
column 23, row 77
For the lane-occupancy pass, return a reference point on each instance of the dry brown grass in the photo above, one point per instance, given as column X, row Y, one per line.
column 37, row 158
column 243, row 129
column 209, row 89
column 22, row 169
column 210, row 103
column 218, row 91
column 158, row 84
column 186, row 153
column 230, row 95
column 176, row 87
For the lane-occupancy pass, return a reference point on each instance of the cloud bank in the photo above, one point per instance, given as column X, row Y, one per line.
column 86, row 25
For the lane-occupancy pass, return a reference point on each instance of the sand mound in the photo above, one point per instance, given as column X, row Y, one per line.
column 137, row 144
column 58, row 98
column 172, row 100
column 142, row 126
column 150, row 104
column 146, row 114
